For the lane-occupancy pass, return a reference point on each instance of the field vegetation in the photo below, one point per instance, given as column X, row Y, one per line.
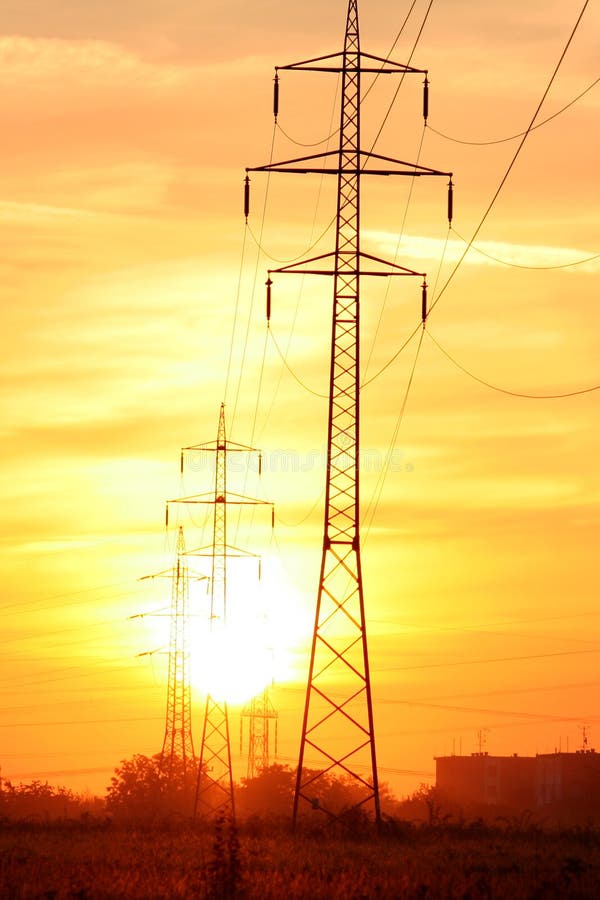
column 142, row 844
column 262, row 860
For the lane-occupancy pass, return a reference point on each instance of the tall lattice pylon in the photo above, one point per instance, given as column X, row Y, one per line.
column 338, row 737
column 214, row 793
column 261, row 715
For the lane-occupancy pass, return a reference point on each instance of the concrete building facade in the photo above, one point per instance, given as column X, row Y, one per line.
column 547, row 781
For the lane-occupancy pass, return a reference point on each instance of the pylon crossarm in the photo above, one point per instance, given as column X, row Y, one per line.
column 295, row 268
column 305, row 65
column 240, row 498
column 354, row 166
column 193, row 498
column 230, row 549
column 307, row 62
column 232, row 447
column 269, row 167
column 400, row 68
column 398, row 270
column 421, row 170
column 225, row 498
column 291, row 267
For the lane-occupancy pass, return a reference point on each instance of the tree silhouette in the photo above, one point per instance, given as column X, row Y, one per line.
column 141, row 791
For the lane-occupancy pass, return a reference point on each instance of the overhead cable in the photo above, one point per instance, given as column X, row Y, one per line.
column 501, row 390
column 513, row 137
column 515, row 155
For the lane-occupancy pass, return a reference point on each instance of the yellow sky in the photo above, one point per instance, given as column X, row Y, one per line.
column 126, row 131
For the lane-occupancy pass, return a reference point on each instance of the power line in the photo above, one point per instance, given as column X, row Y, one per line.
column 486, row 660
column 513, row 137
column 506, row 692
column 294, row 258
column 501, row 390
column 291, row 371
column 235, row 316
column 393, row 358
column 513, row 265
column 514, row 158
column 370, row 513
column 398, row 240
column 332, row 134
column 78, row 722
column 486, row 711
column 247, row 332
column 401, row 80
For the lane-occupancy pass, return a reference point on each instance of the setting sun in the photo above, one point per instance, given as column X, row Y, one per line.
column 255, row 647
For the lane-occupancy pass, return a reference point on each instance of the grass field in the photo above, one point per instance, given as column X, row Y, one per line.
column 69, row 860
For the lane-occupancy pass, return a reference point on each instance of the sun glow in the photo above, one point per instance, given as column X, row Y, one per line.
column 237, row 659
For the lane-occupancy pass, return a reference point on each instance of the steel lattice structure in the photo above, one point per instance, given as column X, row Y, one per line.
column 214, row 792
column 338, row 737
column 260, row 713
column 177, row 742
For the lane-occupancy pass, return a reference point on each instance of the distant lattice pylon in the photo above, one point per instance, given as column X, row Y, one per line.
column 178, row 742
column 260, row 715
column 214, row 794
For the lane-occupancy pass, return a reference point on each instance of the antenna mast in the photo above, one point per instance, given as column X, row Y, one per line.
column 337, row 730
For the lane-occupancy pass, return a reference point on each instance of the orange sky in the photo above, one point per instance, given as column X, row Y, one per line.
column 126, row 130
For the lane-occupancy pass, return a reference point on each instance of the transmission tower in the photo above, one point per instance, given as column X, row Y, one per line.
column 260, row 713
column 178, row 746
column 177, row 743
column 214, row 793
column 337, row 729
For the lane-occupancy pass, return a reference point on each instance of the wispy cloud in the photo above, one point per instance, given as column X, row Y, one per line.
column 487, row 253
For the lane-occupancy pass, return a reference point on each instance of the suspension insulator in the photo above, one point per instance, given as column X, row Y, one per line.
column 272, row 518
column 260, row 463
column 424, row 301
column 268, row 282
column 450, row 201
column 259, row 569
column 246, row 197
column 167, row 516
column 276, row 95
column 425, row 99
column 181, row 463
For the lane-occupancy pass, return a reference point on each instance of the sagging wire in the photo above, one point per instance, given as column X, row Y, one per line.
column 376, row 496
column 514, row 137
column 332, row 134
column 512, row 265
column 501, row 390
column 246, row 337
column 396, row 252
column 516, row 154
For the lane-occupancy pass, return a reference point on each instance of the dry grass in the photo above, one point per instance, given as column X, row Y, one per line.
column 89, row 863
